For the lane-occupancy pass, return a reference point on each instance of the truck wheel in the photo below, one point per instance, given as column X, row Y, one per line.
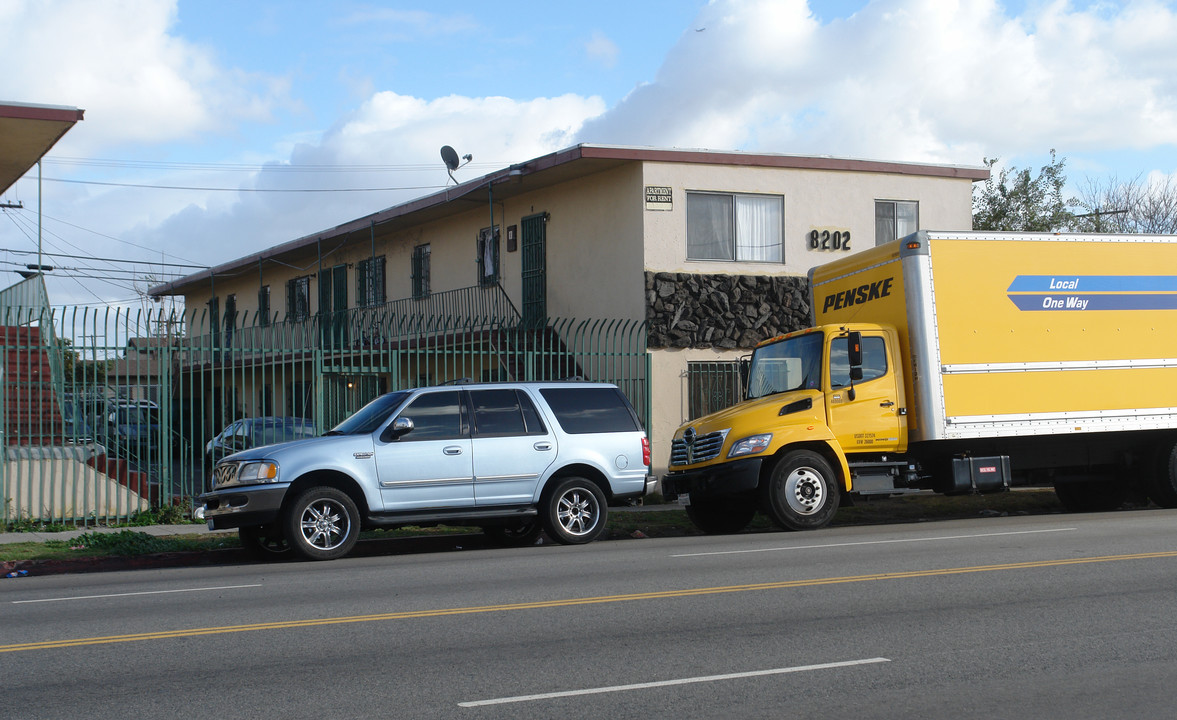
column 322, row 524
column 1091, row 495
column 519, row 535
column 1162, row 486
column 801, row 493
column 575, row 511
column 721, row 516
column 264, row 542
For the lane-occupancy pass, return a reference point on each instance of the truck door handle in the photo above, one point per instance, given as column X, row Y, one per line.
column 886, row 403
column 452, row 450
column 543, row 446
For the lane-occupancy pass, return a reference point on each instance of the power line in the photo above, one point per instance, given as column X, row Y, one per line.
column 251, row 167
column 241, row 189
column 91, row 257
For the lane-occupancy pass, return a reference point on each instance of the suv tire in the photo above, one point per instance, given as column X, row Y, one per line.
column 322, row 523
column 574, row 511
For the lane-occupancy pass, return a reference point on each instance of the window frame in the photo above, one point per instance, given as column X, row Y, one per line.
column 734, row 245
column 263, row 306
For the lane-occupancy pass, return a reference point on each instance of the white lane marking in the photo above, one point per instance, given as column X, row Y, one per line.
column 668, row 683
column 874, row 542
column 146, row 592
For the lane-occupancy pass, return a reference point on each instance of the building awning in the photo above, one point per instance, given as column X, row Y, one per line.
column 27, row 132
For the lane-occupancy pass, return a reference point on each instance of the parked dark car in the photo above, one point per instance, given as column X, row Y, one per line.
column 132, row 430
column 250, row 433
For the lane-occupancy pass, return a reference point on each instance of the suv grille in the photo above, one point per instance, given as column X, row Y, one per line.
column 684, row 451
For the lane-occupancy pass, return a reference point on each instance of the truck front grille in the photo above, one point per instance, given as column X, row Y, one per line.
column 691, row 449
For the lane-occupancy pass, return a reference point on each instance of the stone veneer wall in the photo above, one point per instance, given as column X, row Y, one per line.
column 687, row 310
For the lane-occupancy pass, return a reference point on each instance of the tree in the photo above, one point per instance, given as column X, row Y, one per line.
column 1134, row 206
column 1017, row 201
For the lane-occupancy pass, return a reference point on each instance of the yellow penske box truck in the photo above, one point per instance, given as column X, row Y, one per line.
column 958, row 362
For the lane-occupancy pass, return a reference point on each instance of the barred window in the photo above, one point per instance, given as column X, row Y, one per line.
column 298, row 299
column 263, row 306
column 370, row 289
column 421, row 271
column 713, row 386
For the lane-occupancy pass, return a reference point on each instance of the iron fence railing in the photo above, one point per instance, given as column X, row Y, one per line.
column 113, row 411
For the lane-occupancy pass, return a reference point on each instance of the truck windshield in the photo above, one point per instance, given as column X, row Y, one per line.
column 792, row 364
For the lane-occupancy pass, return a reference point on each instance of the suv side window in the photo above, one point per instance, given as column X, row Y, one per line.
column 505, row 413
column 437, row 416
column 591, row 410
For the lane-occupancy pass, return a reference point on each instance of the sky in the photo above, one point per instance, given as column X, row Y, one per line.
column 216, row 128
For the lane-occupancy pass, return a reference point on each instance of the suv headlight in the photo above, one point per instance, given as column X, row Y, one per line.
column 264, row 471
column 750, row 445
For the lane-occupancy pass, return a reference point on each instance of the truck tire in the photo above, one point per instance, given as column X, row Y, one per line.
column 264, row 542
column 1162, row 486
column 574, row 511
column 801, row 492
column 1091, row 495
column 721, row 516
column 322, row 524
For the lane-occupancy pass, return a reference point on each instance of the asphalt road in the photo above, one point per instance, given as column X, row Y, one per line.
column 1061, row 616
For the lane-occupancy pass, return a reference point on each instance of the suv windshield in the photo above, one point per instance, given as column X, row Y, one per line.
column 792, row 364
column 370, row 416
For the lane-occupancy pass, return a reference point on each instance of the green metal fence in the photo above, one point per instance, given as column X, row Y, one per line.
column 111, row 411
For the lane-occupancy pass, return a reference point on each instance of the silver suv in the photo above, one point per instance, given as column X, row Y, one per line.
column 513, row 458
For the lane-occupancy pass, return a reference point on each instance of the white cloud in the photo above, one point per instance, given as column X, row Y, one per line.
column 601, row 50
column 120, row 62
column 924, row 80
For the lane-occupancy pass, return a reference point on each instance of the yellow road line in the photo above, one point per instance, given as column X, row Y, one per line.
column 572, row 602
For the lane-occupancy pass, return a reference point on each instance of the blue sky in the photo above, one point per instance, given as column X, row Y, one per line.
column 222, row 98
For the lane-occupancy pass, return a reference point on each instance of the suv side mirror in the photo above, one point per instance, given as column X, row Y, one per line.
column 399, row 427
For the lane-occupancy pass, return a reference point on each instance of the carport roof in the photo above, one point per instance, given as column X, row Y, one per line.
column 27, row 132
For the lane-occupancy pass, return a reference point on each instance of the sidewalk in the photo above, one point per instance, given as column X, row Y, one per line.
column 7, row 538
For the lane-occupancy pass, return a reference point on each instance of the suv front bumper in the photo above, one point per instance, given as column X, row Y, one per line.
column 237, row 506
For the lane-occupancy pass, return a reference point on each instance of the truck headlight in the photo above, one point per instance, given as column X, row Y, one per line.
column 750, row 445
column 264, row 471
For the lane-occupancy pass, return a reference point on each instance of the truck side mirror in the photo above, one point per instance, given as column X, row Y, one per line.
column 745, row 368
column 854, row 351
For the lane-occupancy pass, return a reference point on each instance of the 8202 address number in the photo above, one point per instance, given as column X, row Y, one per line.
column 826, row 240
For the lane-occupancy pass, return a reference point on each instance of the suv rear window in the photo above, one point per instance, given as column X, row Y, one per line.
column 591, row 410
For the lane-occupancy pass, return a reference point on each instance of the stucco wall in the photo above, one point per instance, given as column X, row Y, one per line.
column 813, row 199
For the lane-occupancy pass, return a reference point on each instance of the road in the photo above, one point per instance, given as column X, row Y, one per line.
column 1017, row 617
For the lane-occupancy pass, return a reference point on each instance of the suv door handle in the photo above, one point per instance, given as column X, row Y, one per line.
column 452, row 450
column 543, row 446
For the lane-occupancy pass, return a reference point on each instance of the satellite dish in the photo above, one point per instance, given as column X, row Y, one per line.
column 450, row 157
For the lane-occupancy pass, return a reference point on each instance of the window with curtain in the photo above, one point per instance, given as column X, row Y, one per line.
column 488, row 256
column 895, row 219
column 742, row 228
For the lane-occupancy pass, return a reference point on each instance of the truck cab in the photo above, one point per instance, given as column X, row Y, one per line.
column 819, row 402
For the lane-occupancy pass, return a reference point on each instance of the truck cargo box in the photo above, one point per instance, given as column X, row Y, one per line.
column 1018, row 334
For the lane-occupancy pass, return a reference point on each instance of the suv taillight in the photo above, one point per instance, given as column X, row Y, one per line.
column 646, row 452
